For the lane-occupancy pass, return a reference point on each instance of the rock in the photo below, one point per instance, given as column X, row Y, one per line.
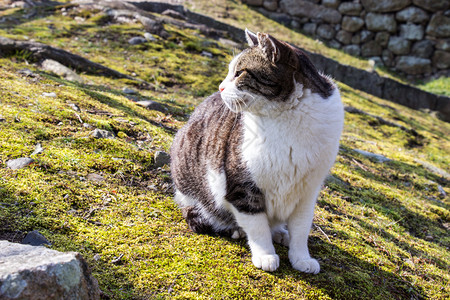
column 29, row 272
column 423, row 49
column 331, row 3
column 411, row 32
column 443, row 45
column 310, row 28
column 334, row 44
column 441, row 59
column 432, row 5
column 399, row 45
column 344, row 37
column 387, row 57
column 270, row 5
column 207, row 54
column 371, row 48
column 413, row 65
column 137, row 40
column 352, row 24
column 366, row 36
column 254, row 2
column 301, row 8
column 149, row 37
column 2, row 119
column 19, row 163
column 439, row 26
column 441, row 191
column 51, row 95
column 382, row 38
column 61, row 70
column 412, row 14
column 34, row 238
column 161, row 159
column 102, row 134
column 385, row 5
column 128, row 91
column 95, row 177
column 152, row 105
column 381, row 22
column 325, row 31
column 350, row 8
column 354, row 50
column 38, row 149
column 74, row 107
column 356, row 39
column 173, row 14
column 377, row 157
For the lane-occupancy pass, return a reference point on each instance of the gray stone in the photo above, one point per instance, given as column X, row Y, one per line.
column 74, row 107
column 412, row 14
column 152, row 105
column 344, row 37
column 95, row 177
column 102, row 134
column 270, row 5
column 366, row 36
column 354, row 50
column 350, row 8
column 19, row 163
column 310, row 28
column 51, row 94
column 423, row 49
column 301, row 8
column 30, row 272
column 128, row 91
column 60, row 70
column 387, row 57
column 325, row 31
column 377, row 157
column 356, row 39
column 381, row 22
column 439, row 26
column 441, row 59
column 38, row 149
column 432, row 5
column 254, row 2
column 35, row 238
column 137, row 40
column 411, row 32
column 443, row 45
column 149, row 37
column 413, row 65
column 382, row 38
column 2, row 119
column 352, row 24
column 385, row 5
column 161, row 158
column 334, row 44
column 371, row 48
column 398, row 45
column 331, row 3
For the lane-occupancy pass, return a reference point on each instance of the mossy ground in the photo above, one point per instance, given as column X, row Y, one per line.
column 380, row 230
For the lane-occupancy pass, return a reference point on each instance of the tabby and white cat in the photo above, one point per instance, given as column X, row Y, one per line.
column 252, row 157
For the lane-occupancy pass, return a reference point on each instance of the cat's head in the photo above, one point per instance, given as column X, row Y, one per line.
column 265, row 75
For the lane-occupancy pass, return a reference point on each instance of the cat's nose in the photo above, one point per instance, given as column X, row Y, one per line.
column 221, row 89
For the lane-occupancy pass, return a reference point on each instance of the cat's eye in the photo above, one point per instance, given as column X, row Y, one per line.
column 238, row 73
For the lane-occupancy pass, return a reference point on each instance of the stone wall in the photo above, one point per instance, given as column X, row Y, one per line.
column 410, row 36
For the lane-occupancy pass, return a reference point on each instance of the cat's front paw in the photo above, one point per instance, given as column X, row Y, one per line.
column 308, row 265
column 268, row 263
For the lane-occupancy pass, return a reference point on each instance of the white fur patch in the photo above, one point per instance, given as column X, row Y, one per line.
column 217, row 183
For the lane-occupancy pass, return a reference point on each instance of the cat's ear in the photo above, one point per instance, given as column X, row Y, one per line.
column 269, row 46
column 252, row 39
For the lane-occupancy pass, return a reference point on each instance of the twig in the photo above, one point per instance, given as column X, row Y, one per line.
column 320, row 229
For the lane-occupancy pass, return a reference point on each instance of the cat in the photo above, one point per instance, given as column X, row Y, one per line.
column 252, row 158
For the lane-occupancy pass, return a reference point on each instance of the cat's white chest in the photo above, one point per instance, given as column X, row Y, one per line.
column 282, row 151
